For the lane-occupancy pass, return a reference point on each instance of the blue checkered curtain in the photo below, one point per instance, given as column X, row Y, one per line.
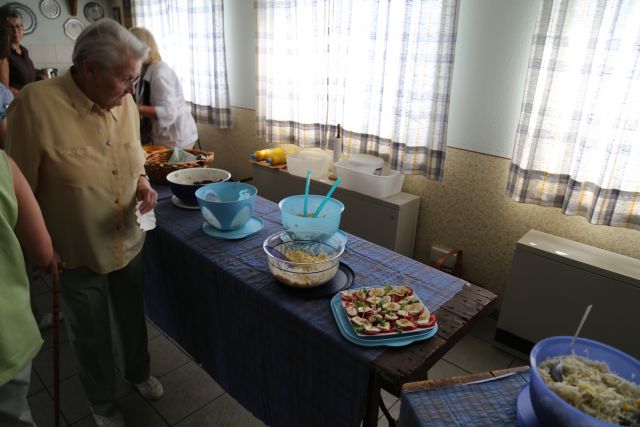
column 381, row 69
column 578, row 141
column 190, row 36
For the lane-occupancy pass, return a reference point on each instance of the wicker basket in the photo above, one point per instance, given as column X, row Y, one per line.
column 157, row 167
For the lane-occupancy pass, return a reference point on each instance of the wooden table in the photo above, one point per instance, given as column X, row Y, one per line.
column 189, row 276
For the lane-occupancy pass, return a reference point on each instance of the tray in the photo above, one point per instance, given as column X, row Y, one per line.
column 396, row 297
column 268, row 165
column 398, row 341
column 341, row 281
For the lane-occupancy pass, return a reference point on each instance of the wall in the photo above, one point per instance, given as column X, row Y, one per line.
column 48, row 46
column 468, row 209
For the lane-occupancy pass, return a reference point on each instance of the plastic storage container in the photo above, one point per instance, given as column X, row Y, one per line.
column 388, row 183
column 317, row 162
column 549, row 408
column 367, row 163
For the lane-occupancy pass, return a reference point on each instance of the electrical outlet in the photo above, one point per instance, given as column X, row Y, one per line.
column 437, row 252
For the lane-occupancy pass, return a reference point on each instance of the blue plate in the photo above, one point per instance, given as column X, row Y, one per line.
column 398, row 341
column 252, row 226
column 526, row 416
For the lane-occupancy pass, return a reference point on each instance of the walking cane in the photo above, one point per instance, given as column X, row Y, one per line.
column 56, row 349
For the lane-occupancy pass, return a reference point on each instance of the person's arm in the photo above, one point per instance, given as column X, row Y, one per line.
column 146, row 194
column 165, row 98
column 30, row 227
column 148, row 111
column 3, row 131
column 4, row 72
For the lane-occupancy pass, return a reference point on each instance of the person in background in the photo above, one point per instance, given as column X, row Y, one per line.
column 166, row 117
column 21, row 69
column 23, row 234
column 6, row 96
column 80, row 152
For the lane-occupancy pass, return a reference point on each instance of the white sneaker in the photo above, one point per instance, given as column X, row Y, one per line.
column 113, row 421
column 150, row 389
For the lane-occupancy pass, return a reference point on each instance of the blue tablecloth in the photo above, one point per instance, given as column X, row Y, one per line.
column 279, row 355
column 489, row 403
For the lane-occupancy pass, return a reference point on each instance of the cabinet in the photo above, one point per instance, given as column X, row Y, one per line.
column 389, row 222
column 553, row 279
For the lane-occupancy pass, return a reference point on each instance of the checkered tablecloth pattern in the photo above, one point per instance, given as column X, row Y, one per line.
column 279, row 355
column 488, row 403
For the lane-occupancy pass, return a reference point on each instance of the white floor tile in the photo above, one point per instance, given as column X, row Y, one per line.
column 475, row 355
column 444, row 369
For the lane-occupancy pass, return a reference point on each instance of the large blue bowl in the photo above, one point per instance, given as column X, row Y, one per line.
column 227, row 205
column 549, row 408
column 185, row 182
column 305, row 228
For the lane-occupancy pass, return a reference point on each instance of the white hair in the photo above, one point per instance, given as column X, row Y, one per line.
column 108, row 44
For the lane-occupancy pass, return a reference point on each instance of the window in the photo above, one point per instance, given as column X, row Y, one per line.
column 578, row 141
column 190, row 36
column 381, row 69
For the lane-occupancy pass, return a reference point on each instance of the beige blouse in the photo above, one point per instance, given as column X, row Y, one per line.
column 83, row 165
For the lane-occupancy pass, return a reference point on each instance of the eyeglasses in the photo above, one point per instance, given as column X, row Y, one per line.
column 130, row 81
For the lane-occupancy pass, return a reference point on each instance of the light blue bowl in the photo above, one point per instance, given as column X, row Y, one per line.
column 306, row 228
column 227, row 205
column 549, row 408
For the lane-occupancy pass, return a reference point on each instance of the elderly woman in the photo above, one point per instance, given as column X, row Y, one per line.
column 21, row 70
column 166, row 118
column 80, row 152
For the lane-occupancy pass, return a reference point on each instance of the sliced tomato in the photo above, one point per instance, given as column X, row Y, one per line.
column 345, row 296
column 405, row 325
column 430, row 324
column 371, row 330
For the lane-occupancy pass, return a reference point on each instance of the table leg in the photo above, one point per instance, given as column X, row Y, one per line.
column 373, row 401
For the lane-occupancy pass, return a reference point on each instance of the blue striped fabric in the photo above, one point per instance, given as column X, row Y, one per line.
column 491, row 403
column 577, row 141
column 380, row 69
column 279, row 355
column 190, row 36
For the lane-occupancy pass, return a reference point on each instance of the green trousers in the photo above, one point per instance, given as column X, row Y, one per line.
column 104, row 314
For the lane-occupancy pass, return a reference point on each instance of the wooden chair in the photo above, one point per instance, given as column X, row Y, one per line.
column 457, row 269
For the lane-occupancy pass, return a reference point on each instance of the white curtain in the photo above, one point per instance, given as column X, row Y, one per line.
column 578, row 141
column 190, row 36
column 380, row 68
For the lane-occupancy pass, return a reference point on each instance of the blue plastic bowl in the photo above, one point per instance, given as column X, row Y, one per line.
column 227, row 205
column 185, row 182
column 549, row 408
column 306, row 228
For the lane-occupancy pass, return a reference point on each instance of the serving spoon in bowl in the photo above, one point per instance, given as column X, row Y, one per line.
column 556, row 370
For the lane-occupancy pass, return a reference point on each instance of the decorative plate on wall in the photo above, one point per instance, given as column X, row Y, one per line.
column 50, row 8
column 29, row 21
column 93, row 11
column 73, row 28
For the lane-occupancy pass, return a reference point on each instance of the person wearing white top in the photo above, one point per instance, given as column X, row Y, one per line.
column 165, row 116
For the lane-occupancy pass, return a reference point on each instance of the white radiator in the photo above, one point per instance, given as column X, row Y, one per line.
column 553, row 279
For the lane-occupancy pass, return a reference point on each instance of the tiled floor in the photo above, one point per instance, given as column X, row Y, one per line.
column 192, row 398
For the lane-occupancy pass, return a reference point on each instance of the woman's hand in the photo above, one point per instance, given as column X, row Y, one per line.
column 146, row 194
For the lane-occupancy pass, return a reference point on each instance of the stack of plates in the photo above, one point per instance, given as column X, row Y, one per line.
column 399, row 340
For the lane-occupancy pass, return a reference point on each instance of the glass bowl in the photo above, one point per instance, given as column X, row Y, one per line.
column 304, row 263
